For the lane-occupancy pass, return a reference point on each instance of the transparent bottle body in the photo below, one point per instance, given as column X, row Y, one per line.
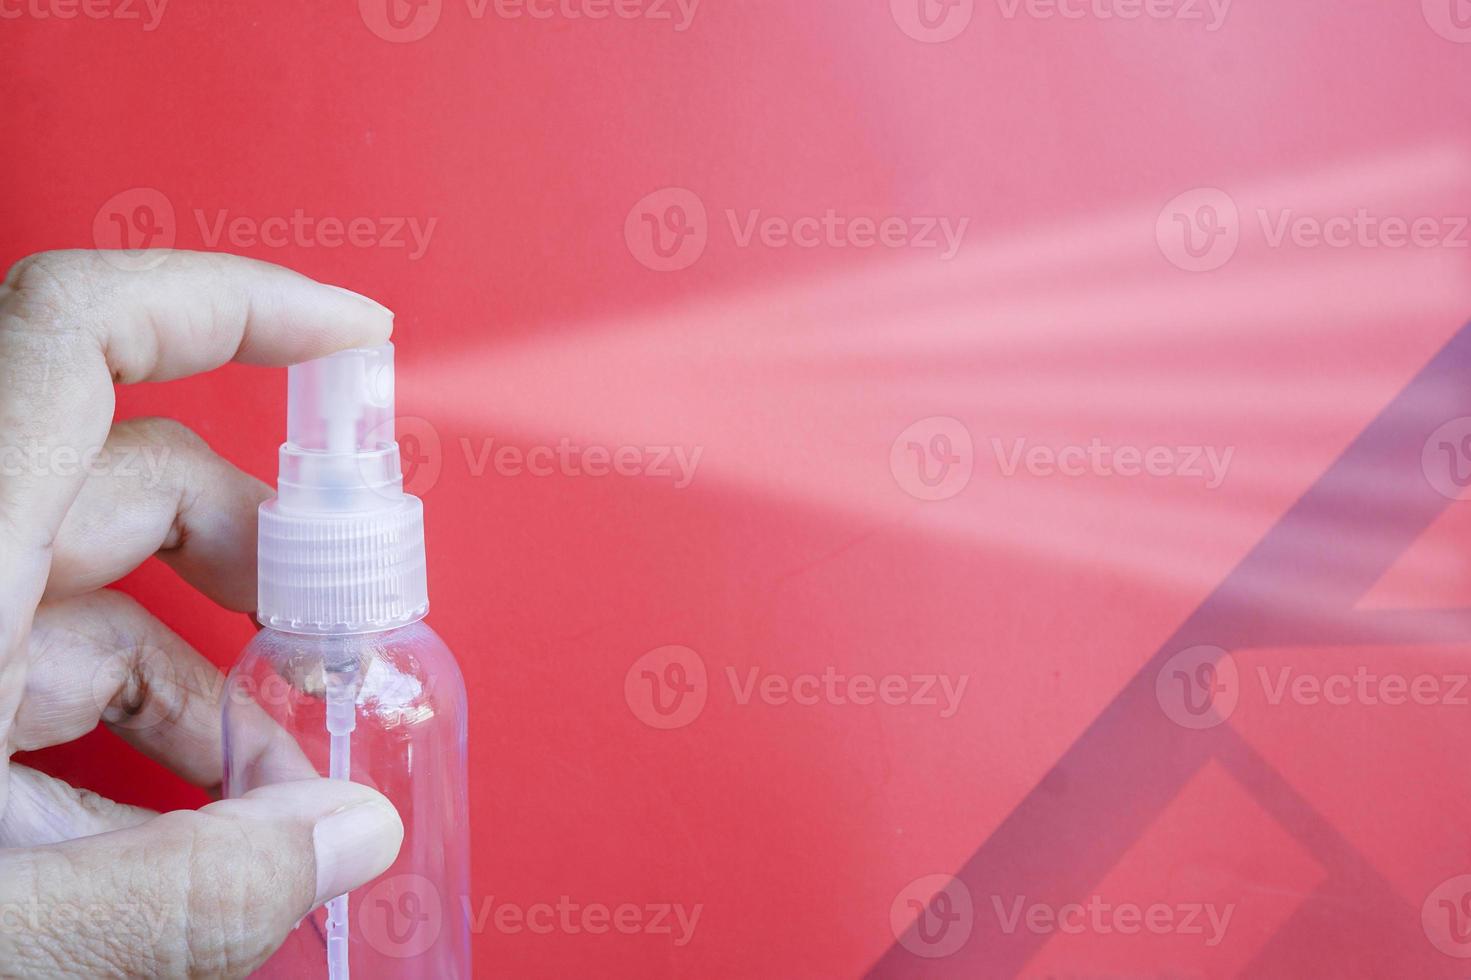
column 403, row 699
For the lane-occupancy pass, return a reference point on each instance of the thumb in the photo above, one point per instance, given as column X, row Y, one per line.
column 193, row 893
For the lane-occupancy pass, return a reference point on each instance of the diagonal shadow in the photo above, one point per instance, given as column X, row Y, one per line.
column 1132, row 761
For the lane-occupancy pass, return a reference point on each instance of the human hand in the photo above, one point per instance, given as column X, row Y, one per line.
column 90, row 887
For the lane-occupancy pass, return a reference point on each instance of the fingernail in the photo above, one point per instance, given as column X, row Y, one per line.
column 353, row 846
column 365, row 299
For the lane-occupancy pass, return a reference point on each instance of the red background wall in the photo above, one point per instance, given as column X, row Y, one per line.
column 530, row 318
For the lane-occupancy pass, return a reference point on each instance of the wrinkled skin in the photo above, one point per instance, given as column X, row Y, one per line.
column 90, row 887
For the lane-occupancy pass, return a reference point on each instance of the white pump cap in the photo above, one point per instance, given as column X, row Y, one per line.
column 341, row 545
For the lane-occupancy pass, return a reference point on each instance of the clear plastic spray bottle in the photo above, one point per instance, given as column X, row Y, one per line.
column 346, row 681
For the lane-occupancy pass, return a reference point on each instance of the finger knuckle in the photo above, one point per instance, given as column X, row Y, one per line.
column 54, row 290
column 232, row 877
column 108, row 605
column 166, row 432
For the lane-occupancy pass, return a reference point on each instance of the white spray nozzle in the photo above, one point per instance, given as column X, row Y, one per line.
column 342, row 403
column 341, row 546
column 340, row 455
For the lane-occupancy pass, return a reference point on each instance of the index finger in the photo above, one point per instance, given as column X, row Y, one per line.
column 72, row 323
